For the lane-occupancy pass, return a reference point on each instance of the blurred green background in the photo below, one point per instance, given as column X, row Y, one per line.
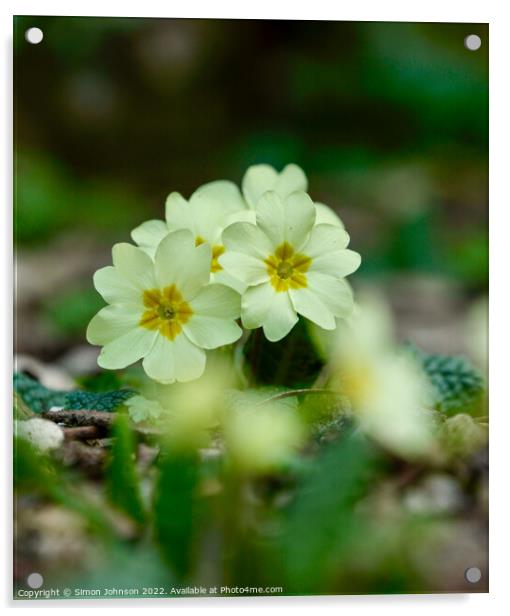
column 388, row 120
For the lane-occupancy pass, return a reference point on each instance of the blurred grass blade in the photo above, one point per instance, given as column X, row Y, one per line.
column 34, row 472
column 174, row 509
column 322, row 515
column 123, row 482
column 20, row 409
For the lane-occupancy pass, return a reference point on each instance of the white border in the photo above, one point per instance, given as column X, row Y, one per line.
column 492, row 11
column 469, row 11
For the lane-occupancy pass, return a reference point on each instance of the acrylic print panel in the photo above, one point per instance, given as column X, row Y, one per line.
column 251, row 308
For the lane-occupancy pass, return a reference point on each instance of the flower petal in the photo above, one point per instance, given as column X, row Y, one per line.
column 327, row 216
column 271, row 218
column 111, row 322
column 280, row 319
column 291, row 179
column 255, row 305
column 114, row 288
column 257, row 180
column 174, row 360
column 225, row 193
column 247, row 238
column 262, row 305
column 159, row 364
column 178, row 261
column 177, row 212
column 209, row 217
column 211, row 332
column 127, row 349
column 299, row 218
column 149, row 233
column 134, row 265
column 225, row 278
column 216, row 300
column 189, row 360
column 335, row 294
column 325, row 239
column 308, row 303
column 250, row 270
column 290, row 220
column 241, row 216
column 338, row 264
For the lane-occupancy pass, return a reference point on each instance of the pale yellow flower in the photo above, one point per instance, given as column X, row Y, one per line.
column 210, row 209
column 163, row 311
column 260, row 437
column 290, row 266
column 388, row 391
column 260, row 179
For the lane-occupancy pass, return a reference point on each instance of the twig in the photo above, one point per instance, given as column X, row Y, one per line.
column 83, row 433
column 99, row 419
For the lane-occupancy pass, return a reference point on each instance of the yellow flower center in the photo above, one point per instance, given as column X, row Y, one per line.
column 217, row 251
column 287, row 268
column 166, row 311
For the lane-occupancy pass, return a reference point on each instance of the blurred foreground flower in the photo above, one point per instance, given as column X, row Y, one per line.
column 290, row 265
column 260, row 437
column 163, row 311
column 187, row 412
column 387, row 390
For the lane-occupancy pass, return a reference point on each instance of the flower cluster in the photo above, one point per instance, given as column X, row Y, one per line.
column 266, row 254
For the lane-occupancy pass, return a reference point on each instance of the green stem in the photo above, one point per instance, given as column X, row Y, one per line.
column 300, row 392
column 232, row 514
column 256, row 353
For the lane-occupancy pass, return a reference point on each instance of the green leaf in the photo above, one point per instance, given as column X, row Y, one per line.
column 32, row 470
column 108, row 401
column 456, row 382
column 321, row 518
column 37, row 397
column 40, row 399
column 123, row 482
column 175, row 509
column 20, row 409
column 101, row 382
column 37, row 473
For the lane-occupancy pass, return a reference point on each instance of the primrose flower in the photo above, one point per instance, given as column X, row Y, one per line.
column 163, row 311
column 187, row 412
column 262, row 438
column 290, row 265
column 259, row 179
column 387, row 390
column 210, row 209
